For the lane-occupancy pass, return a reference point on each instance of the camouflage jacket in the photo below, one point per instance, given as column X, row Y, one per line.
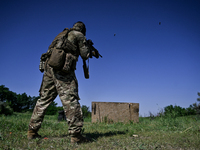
column 74, row 43
column 78, row 39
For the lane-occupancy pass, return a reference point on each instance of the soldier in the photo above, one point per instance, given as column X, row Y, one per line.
column 63, row 82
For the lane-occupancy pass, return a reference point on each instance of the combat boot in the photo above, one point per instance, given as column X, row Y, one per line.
column 33, row 135
column 79, row 139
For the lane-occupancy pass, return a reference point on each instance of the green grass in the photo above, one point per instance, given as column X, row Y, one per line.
column 156, row 133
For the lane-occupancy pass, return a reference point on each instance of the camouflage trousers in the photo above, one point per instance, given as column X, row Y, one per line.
column 66, row 86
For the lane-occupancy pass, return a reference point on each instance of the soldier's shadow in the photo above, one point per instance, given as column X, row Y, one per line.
column 94, row 136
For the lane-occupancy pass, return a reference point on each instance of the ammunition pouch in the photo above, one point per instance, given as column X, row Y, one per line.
column 43, row 59
column 70, row 63
column 64, row 56
column 42, row 65
column 57, row 58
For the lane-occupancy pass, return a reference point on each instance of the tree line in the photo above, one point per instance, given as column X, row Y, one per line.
column 12, row 102
column 15, row 102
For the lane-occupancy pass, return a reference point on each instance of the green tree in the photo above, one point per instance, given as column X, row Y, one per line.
column 6, row 94
column 22, row 102
column 196, row 106
column 198, row 99
column 86, row 111
column 3, row 93
column 18, row 102
column 59, row 108
column 5, row 108
column 177, row 111
column 52, row 109
column 33, row 102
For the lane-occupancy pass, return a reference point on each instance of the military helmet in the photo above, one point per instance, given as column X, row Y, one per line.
column 80, row 26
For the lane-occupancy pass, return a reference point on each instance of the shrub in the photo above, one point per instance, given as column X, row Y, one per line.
column 196, row 105
column 86, row 111
column 52, row 109
column 177, row 111
column 5, row 108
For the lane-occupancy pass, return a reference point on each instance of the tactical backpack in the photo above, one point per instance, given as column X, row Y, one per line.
column 62, row 54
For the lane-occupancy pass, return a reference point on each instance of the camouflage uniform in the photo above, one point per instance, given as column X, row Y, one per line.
column 66, row 86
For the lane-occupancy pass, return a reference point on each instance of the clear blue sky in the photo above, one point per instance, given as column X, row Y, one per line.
column 146, row 63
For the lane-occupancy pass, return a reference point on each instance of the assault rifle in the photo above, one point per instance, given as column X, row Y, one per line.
column 94, row 52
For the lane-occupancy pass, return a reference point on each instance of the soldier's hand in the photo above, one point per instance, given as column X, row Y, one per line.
column 95, row 54
column 90, row 42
